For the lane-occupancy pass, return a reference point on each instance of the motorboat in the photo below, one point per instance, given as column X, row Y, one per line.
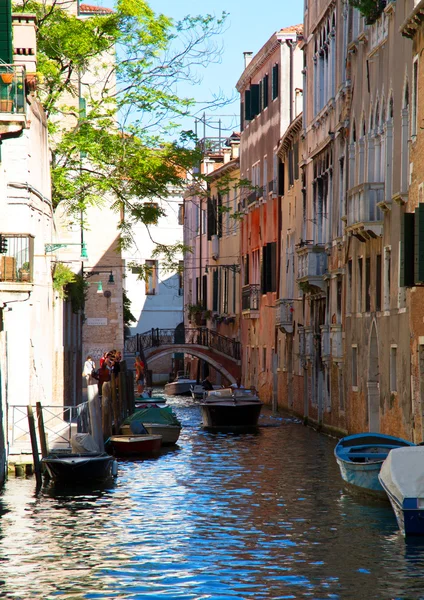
column 360, row 457
column 79, row 468
column 402, row 478
column 146, row 400
column 181, row 386
column 231, row 409
column 135, row 444
column 156, row 421
column 198, row 392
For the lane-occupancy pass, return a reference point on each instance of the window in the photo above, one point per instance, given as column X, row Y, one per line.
column 181, row 214
column 354, row 366
column 387, row 267
column 246, row 270
column 268, row 268
column 339, row 299
column 180, row 277
column 359, row 286
column 16, row 263
column 414, row 97
column 265, row 90
column 378, row 283
column 275, row 80
column 215, row 290
column 367, row 285
column 151, row 277
column 264, row 359
column 349, row 287
column 393, row 369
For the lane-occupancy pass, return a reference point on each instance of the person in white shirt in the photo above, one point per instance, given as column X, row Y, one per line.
column 89, row 367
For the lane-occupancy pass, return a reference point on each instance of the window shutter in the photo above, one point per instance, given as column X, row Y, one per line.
column 280, row 178
column 247, row 109
column 211, row 224
column 272, row 252
column 254, row 101
column 261, row 97
column 205, row 291
column 406, row 270
column 215, row 290
column 6, row 46
column 266, row 90
column 263, row 270
column 246, row 270
column 275, row 83
column 241, row 115
column 419, row 244
column 219, row 216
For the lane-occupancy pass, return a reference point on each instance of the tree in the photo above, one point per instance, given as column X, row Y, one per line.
column 111, row 141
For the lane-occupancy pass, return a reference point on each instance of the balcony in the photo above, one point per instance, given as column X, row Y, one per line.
column 16, row 263
column 364, row 217
column 284, row 315
column 250, row 295
column 311, row 267
column 336, row 342
column 12, row 98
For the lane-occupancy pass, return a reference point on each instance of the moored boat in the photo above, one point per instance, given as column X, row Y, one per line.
column 198, row 392
column 79, row 468
column 402, row 478
column 231, row 409
column 157, row 421
column 181, row 386
column 360, row 457
column 135, row 444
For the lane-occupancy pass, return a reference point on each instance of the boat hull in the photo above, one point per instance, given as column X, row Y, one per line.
column 230, row 415
column 362, row 478
column 169, row 433
column 178, row 388
column 135, row 445
column 79, row 468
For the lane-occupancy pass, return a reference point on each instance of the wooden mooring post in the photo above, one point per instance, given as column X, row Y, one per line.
column 41, row 430
column 34, row 445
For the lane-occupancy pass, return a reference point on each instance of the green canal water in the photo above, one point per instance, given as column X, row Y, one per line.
column 221, row 517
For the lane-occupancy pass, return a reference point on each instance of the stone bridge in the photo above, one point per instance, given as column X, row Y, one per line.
column 221, row 352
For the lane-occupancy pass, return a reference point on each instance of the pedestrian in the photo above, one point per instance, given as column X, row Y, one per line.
column 102, row 359
column 105, row 371
column 207, row 385
column 139, row 374
column 89, row 371
column 117, row 364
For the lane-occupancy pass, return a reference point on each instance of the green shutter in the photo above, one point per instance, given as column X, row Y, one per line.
column 266, row 90
column 419, row 245
column 254, row 100
column 215, row 290
column 406, row 270
column 272, row 252
column 263, row 270
column 6, row 46
column 275, row 78
column 247, row 111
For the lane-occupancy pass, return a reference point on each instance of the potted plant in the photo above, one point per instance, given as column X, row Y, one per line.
column 25, row 272
column 7, row 77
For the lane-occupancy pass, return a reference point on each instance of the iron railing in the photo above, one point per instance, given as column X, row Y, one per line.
column 16, row 262
column 12, row 89
column 201, row 336
column 58, row 421
column 250, row 295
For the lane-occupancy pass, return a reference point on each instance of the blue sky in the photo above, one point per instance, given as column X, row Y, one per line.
column 249, row 25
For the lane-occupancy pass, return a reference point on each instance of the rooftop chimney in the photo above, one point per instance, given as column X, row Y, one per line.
column 247, row 58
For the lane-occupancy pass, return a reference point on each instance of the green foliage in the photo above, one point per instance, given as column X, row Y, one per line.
column 198, row 309
column 114, row 152
column 370, row 9
column 77, row 293
column 128, row 316
column 62, row 277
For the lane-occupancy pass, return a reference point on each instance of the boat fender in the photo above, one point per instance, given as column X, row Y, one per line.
column 115, row 468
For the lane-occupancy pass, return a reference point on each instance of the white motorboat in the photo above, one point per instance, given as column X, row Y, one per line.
column 198, row 392
column 180, row 387
column 402, row 478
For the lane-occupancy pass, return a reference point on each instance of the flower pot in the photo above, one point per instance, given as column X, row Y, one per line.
column 7, row 77
column 6, row 106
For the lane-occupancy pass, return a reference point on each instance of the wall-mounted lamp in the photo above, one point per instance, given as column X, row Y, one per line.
column 110, row 281
column 53, row 247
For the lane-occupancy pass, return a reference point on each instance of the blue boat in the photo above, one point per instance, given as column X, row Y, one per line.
column 360, row 457
column 402, row 478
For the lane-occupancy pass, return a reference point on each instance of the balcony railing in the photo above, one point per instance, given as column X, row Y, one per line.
column 284, row 315
column 378, row 32
column 16, row 262
column 12, row 89
column 311, row 266
column 364, row 217
column 250, row 295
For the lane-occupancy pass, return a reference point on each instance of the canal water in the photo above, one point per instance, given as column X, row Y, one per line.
column 219, row 517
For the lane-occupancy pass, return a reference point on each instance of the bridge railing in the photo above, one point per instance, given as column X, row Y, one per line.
column 201, row 336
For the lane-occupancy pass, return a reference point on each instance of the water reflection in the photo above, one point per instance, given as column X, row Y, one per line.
column 221, row 516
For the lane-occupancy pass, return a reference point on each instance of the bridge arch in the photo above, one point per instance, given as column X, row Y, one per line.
column 156, row 353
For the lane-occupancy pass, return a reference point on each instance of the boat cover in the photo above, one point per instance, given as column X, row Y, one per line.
column 82, row 443
column 152, row 414
column 402, row 473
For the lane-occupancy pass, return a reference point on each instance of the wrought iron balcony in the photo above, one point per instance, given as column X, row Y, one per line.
column 16, row 263
column 311, row 267
column 284, row 315
column 12, row 98
column 250, row 295
column 364, row 217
